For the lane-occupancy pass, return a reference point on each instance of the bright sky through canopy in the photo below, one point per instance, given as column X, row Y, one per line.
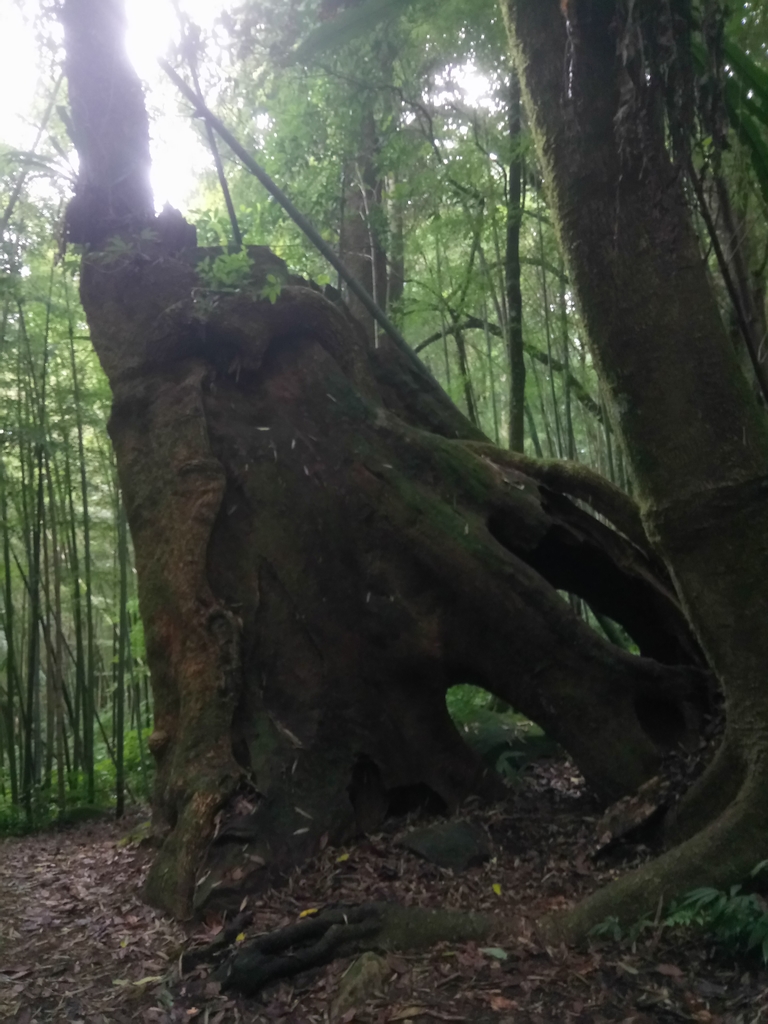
column 177, row 156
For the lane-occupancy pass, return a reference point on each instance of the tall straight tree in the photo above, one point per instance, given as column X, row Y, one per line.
column 11, row 670
column 594, row 87
column 512, row 272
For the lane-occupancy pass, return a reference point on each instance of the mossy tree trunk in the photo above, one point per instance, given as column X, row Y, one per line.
column 316, row 568
column 324, row 544
column 697, row 441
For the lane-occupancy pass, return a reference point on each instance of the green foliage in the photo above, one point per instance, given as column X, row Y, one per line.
column 233, row 272
column 14, row 820
column 351, row 24
column 119, row 250
column 271, row 289
column 230, row 271
column 139, row 763
column 736, row 920
column 608, row 929
column 745, row 96
column 138, row 653
column 139, row 772
column 505, row 740
column 464, row 701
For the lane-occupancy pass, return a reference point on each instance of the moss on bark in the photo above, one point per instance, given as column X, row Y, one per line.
column 316, row 569
column 697, row 441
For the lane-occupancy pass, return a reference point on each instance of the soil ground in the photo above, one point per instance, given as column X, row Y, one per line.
column 78, row 945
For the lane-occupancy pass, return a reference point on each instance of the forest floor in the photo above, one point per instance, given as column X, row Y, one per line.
column 78, row 945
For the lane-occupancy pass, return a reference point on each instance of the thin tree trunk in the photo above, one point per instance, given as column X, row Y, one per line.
column 553, row 452
column 608, row 443
column 569, row 435
column 439, row 270
column 122, row 647
column 82, row 722
column 135, row 683
column 396, row 275
column 361, row 247
column 32, row 740
column 466, row 380
column 50, row 713
column 533, row 432
column 491, row 375
column 548, row 334
column 735, row 277
column 89, row 690
column 58, row 659
column 514, row 293
column 8, row 628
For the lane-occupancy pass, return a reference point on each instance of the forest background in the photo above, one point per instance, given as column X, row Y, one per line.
column 408, row 149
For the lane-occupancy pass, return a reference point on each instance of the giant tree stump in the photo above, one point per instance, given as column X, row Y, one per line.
column 324, row 545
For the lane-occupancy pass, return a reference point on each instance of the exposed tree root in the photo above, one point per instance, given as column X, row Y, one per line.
column 216, row 950
column 344, row 931
column 720, row 855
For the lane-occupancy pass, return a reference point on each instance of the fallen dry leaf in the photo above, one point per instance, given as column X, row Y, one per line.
column 408, row 1012
column 669, row 971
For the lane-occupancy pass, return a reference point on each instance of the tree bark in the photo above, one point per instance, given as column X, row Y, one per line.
column 323, row 549
column 109, row 123
column 515, row 345
column 396, row 263
column 697, row 441
column 316, row 569
column 361, row 247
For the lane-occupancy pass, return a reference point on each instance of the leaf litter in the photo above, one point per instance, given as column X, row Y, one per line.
column 77, row 944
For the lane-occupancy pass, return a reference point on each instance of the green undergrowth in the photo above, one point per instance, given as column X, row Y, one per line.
column 41, row 810
column 505, row 740
column 737, row 920
column 466, row 702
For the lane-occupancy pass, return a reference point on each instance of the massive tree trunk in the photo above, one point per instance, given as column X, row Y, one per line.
column 697, row 441
column 318, row 562
column 324, row 544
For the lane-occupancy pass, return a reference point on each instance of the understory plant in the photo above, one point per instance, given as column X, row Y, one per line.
column 735, row 919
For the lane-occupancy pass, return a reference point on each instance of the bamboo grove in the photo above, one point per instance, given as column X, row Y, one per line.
column 409, row 150
column 73, row 686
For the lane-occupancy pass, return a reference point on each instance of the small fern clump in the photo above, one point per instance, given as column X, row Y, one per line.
column 738, row 920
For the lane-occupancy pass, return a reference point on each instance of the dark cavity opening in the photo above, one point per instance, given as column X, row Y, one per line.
column 571, row 562
column 663, row 720
column 373, row 802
